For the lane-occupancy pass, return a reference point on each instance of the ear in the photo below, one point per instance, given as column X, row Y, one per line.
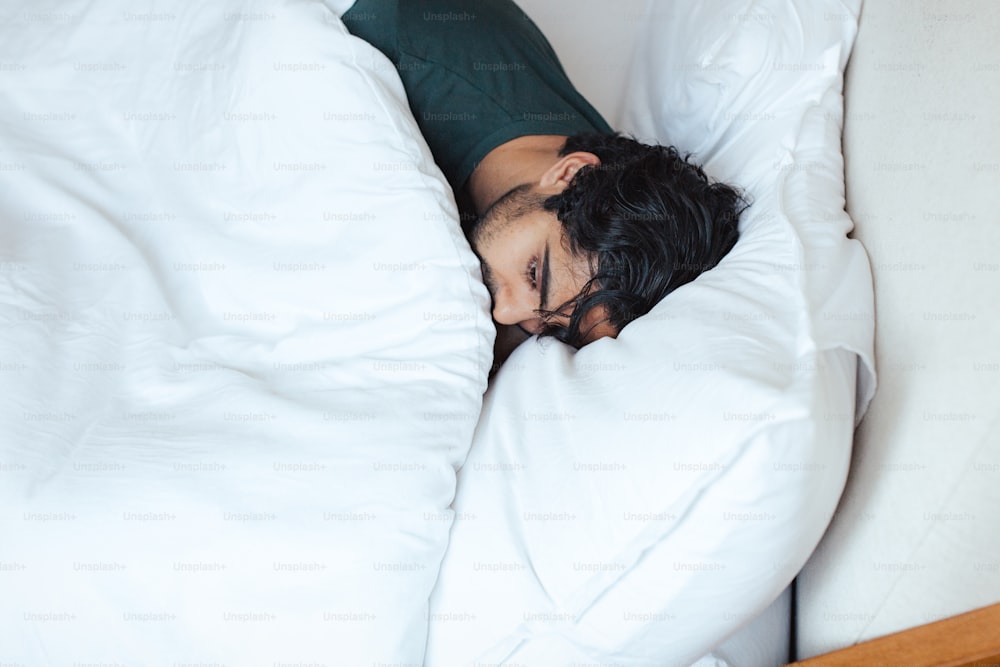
column 559, row 175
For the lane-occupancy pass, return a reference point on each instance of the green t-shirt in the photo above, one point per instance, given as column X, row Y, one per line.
column 477, row 74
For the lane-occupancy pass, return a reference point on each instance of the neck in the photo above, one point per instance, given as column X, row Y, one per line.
column 521, row 160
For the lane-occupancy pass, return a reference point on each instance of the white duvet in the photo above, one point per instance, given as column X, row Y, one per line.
column 243, row 344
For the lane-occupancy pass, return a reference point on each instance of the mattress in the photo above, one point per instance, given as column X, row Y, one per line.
column 915, row 539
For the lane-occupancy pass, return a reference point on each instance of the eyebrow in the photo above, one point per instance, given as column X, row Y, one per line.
column 545, row 279
column 488, row 278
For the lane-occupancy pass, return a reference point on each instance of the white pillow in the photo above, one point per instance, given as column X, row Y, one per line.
column 247, row 340
column 640, row 500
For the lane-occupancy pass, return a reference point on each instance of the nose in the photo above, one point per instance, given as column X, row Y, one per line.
column 510, row 308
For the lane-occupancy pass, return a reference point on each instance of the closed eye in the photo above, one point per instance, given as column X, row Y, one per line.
column 531, row 273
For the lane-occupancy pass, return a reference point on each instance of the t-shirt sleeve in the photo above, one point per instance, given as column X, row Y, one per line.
column 477, row 74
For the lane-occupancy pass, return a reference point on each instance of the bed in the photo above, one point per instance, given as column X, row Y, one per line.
column 246, row 348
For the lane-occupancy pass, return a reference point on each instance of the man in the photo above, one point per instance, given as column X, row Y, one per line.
column 579, row 230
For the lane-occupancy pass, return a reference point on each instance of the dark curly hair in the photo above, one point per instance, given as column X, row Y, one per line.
column 649, row 219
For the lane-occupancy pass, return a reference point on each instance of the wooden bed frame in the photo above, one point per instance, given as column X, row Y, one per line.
column 968, row 640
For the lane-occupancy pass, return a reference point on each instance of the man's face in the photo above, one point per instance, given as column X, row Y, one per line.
column 528, row 267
